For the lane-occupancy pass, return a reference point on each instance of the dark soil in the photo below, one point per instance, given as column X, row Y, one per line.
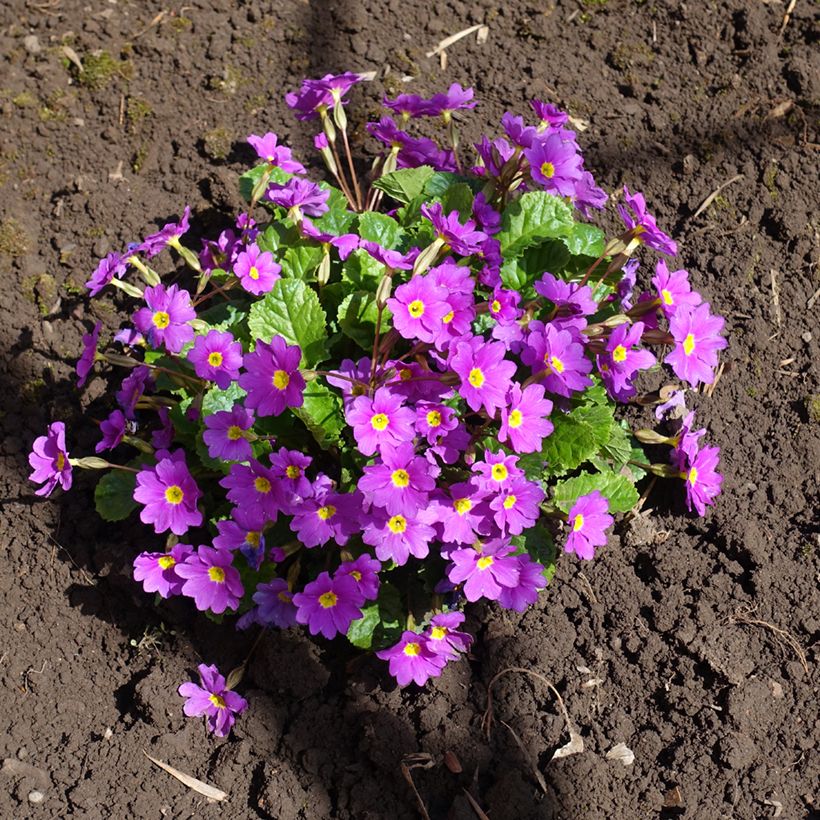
column 692, row 641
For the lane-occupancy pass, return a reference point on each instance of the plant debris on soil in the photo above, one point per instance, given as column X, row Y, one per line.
column 690, row 642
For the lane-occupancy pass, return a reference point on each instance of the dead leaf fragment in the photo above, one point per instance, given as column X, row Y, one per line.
column 73, row 57
column 452, row 762
column 621, row 752
column 673, row 798
column 205, row 789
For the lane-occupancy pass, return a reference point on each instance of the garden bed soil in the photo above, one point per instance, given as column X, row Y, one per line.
column 691, row 640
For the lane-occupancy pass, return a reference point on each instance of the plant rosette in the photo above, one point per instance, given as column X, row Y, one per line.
column 373, row 401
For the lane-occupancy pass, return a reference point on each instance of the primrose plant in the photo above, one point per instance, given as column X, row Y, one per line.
column 375, row 400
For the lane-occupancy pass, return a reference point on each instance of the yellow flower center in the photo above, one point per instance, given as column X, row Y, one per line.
column 509, row 502
column 666, row 296
column 578, row 523
column 416, row 308
column 253, row 538
column 484, row 562
column 434, row 418
column 327, row 600
column 174, row 494
column 499, row 472
column 217, row 575
column 438, row 632
column 495, row 306
column 234, row 432
column 292, row 471
column 619, row 354
column 284, row 597
column 397, row 524
column 280, row 379
column 356, row 574
column 515, row 418
column 548, row 170
column 447, row 318
column 462, row 505
column 262, row 485
column 161, row 319
column 412, row 649
column 254, row 272
column 405, row 373
column 689, row 344
column 693, row 476
column 326, row 512
column 400, row 478
column 166, row 562
column 476, row 377
column 60, row 461
column 379, row 421
column 215, row 359
column 217, row 701
column 555, row 364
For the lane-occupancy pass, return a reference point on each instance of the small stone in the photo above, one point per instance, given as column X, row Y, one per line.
column 806, row 337
column 32, row 44
column 36, row 796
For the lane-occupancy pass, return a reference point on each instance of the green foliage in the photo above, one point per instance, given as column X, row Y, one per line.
column 291, row 310
column 300, row 261
column 362, row 271
column 357, row 318
column 322, row 414
column 380, row 228
column 406, row 184
column 380, row 624
column 618, row 488
column 530, row 219
column 114, row 495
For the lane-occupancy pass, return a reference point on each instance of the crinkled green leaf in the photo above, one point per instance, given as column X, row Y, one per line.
column 585, row 240
column 571, row 443
column 362, row 271
column 619, row 489
column 321, row 413
column 380, row 228
column 533, row 217
column 439, row 182
column 538, row 543
column 360, row 632
column 291, row 310
column 300, row 261
column 216, row 400
column 600, row 418
column 619, row 445
column 357, row 318
column 114, row 495
column 522, row 271
column 274, row 236
column 337, row 219
column 458, row 197
column 406, row 184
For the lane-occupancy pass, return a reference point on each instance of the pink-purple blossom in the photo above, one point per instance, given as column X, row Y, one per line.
column 155, row 242
column 256, row 270
column 484, row 372
column 411, row 659
column 673, row 289
column 555, row 165
column 107, row 268
column 697, row 341
column 642, row 224
column 216, row 357
column 464, row 239
column 418, row 308
column 329, row 605
column 89, row 354
column 524, row 422
column 113, row 430
column 279, row 156
column 588, row 519
column 225, row 434
column 49, row 460
column 157, row 571
column 272, row 379
column 400, row 483
column 621, row 359
column 381, row 423
column 485, row 570
column 210, row 578
column 213, row 700
column 165, row 319
column 169, row 495
column 397, row 537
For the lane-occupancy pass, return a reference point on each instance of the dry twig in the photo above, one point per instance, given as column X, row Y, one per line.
column 711, row 198
column 481, row 37
column 475, row 807
column 742, row 616
column 416, row 761
column 776, row 297
column 533, row 767
column 205, row 789
column 787, row 16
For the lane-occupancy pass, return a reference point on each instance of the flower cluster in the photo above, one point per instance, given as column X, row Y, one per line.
column 382, row 402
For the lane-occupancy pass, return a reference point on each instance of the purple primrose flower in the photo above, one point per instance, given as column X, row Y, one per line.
column 212, row 699
column 157, row 571
column 170, row 495
column 49, row 460
column 110, row 266
column 256, row 270
column 697, row 341
column 225, row 434
column 267, row 149
column 165, row 320
column 329, row 605
column 216, row 357
column 588, row 520
column 113, row 430
column 642, row 224
column 411, row 659
column 273, row 381
column 89, row 354
column 210, row 578
column 156, row 242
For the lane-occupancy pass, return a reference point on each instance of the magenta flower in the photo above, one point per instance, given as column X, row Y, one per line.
column 170, row 495
column 411, row 659
column 210, row 578
column 112, row 429
column 418, row 308
column 673, row 289
column 520, row 134
column 273, row 381
column 89, row 354
column 274, row 604
column 484, row 372
column 162, row 437
column 129, row 336
column 301, row 196
column 255, row 490
column 589, row 195
column 243, row 532
column 525, row 593
column 463, row 239
column 496, row 471
column 132, row 388
column 345, row 244
column 157, row 571
column 107, row 268
column 216, row 357
column 365, row 572
column 277, row 155
column 550, row 115
column 358, row 371
column 622, row 359
column 165, row 320
column 213, row 700
column 443, row 636
column 325, row 515
column 455, row 98
column 558, row 357
column 397, row 537
column 516, row 506
column 155, row 242
column 433, row 420
column 524, row 422
column 697, row 340
column 329, row 605
column 588, row 521
column 49, row 460
column 460, row 514
column 642, row 224
column 225, row 434
column 289, row 469
column 381, row 423
column 571, row 301
column 555, row 165
column 484, row 570
column 493, row 156
column 257, row 271
column 400, row 484
column 316, row 96
column 699, row 471
column 409, row 106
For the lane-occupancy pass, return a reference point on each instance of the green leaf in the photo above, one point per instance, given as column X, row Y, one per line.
column 362, row 271
column 439, row 182
column 380, row 228
column 531, row 218
column 249, row 179
column 380, row 624
column 322, row 414
column 618, row 488
column 406, row 184
column 224, row 316
column 337, row 219
column 300, row 261
column 571, row 443
column 357, row 318
column 360, row 632
column 619, row 445
column 585, row 240
column 291, row 310
column 114, row 495
column 538, row 543
column 216, row 400
column 600, row 419
column 274, row 236
column 458, row 197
